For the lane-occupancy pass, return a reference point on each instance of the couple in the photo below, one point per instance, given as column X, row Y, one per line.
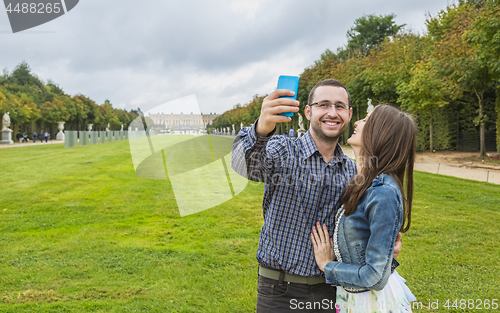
column 314, row 192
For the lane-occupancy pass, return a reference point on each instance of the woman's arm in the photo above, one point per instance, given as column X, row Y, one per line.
column 382, row 211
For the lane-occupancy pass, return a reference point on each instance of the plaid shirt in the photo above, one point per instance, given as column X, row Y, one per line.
column 300, row 189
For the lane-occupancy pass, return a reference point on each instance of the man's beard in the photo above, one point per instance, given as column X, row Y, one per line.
column 318, row 131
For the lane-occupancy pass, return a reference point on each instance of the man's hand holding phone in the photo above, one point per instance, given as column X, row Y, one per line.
column 271, row 107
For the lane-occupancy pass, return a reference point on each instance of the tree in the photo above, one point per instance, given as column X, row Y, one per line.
column 22, row 109
column 484, row 35
column 28, row 83
column 124, row 117
column 369, row 31
column 497, row 108
column 425, row 91
column 351, row 74
column 2, row 100
column 91, row 111
column 107, row 116
column 23, row 94
column 462, row 64
column 76, row 111
column 390, row 65
column 53, row 112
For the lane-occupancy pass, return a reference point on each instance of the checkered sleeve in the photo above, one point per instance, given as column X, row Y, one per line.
column 252, row 157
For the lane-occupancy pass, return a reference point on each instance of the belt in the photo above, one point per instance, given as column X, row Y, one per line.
column 306, row 280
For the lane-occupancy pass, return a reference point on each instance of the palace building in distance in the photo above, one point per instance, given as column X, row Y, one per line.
column 182, row 122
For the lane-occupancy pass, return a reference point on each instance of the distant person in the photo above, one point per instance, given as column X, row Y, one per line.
column 291, row 133
column 25, row 138
column 34, row 137
column 41, row 136
column 46, row 135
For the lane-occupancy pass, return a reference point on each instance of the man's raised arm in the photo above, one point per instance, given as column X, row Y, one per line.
column 249, row 157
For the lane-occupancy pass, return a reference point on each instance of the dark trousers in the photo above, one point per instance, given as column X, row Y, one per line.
column 291, row 297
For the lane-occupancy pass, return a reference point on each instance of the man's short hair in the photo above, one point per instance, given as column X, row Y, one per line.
column 328, row 82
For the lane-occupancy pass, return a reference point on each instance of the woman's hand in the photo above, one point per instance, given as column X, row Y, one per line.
column 322, row 245
column 397, row 246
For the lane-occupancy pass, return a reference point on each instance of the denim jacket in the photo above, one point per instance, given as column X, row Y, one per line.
column 366, row 239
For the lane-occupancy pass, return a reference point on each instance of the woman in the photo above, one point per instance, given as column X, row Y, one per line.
column 375, row 207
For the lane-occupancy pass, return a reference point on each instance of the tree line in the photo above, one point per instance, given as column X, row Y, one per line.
column 35, row 106
column 448, row 77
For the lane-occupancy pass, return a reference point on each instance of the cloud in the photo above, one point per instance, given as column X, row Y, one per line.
column 147, row 53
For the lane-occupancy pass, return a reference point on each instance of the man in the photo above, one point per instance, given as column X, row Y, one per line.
column 304, row 180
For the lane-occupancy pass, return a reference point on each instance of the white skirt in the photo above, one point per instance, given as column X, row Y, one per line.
column 394, row 298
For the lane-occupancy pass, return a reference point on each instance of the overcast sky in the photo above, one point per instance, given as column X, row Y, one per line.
column 145, row 53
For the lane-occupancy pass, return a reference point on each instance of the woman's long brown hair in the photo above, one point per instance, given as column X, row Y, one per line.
column 389, row 145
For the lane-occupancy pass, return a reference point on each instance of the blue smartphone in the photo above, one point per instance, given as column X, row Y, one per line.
column 290, row 83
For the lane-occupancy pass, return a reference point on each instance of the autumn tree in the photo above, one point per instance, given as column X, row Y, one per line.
column 54, row 111
column 21, row 109
column 423, row 92
column 390, row 65
column 462, row 65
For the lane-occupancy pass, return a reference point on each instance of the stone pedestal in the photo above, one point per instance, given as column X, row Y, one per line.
column 6, row 137
column 60, row 134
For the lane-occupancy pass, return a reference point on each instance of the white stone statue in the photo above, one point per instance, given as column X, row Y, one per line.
column 107, row 128
column 6, row 132
column 121, row 128
column 241, row 125
column 233, row 129
column 60, row 134
column 370, row 106
column 301, row 123
column 6, row 121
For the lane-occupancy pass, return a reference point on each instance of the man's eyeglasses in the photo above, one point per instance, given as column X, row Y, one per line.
column 326, row 105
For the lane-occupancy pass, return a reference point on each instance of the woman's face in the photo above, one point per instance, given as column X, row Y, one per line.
column 356, row 139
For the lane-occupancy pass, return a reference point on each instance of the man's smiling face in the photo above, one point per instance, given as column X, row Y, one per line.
column 327, row 124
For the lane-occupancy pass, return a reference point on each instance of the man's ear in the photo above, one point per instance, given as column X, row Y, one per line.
column 307, row 112
column 350, row 113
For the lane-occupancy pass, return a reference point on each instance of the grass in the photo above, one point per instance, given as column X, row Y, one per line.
column 81, row 232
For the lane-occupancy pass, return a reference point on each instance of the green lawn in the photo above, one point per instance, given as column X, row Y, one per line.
column 81, row 232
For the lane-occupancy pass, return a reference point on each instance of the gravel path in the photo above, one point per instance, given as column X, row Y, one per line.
column 458, row 164
column 25, row 144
